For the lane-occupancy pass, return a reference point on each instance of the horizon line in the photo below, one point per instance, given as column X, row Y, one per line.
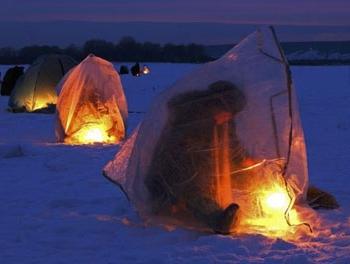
column 245, row 23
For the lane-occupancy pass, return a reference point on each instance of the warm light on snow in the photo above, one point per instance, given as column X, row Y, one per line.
column 94, row 134
column 41, row 103
column 266, row 206
column 270, row 212
column 91, row 134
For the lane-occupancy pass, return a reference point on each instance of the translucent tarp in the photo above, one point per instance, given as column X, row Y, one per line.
column 91, row 106
column 35, row 90
column 223, row 148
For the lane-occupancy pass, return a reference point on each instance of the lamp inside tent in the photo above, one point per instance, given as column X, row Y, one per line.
column 34, row 91
column 267, row 204
column 146, row 70
column 91, row 107
column 223, row 148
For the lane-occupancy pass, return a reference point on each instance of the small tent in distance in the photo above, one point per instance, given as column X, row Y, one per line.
column 35, row 90
column 10, row 79
column 91, row 107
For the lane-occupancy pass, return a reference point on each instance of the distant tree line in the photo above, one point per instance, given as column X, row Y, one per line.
column 126, row 50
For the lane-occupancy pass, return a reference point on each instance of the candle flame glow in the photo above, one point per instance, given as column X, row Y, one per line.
column 90, row 134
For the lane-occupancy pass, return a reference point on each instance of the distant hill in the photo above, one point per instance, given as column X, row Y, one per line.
column 302, row 53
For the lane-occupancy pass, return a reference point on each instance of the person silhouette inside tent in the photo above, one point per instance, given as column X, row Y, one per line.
column 182, row 173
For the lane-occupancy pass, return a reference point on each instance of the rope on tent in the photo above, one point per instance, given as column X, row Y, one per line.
column 290, row 139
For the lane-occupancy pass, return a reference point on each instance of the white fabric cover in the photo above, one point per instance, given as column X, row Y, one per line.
column 269, row 126
column 91, row 94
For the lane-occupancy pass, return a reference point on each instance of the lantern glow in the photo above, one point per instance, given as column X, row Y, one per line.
column 94, row 134
column 41, row 103
column 278, row 201
column 90, row 134
column 145, row 70
column 270, row 213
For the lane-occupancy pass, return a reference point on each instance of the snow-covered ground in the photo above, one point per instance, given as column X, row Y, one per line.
column 311, row 55
column 56, row 207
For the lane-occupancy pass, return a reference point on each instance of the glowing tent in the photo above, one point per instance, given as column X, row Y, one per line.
column 146, row 70
column 35, row 90
column 91, row 107
column 223, row 148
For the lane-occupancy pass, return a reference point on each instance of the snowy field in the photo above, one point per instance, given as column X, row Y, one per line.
column 56, row 207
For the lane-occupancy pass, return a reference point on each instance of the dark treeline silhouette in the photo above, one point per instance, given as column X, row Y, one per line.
column 126, row 50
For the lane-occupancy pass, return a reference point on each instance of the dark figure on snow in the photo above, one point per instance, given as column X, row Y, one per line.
column 124, row 69
column 135, row 70
column 10, row 79
column 182, row 172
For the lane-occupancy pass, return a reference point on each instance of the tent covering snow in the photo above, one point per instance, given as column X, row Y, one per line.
column 35, row 90
column 223, row 148
column 91, row 107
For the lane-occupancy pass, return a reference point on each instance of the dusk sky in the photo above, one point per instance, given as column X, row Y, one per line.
column 335, row 13
column 296, row 12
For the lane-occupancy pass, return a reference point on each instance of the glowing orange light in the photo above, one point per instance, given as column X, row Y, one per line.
column 277, row 201
column 91, row 134
column 270, row 213
column 145, row 70
column 94, row 134
column 41, row 102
